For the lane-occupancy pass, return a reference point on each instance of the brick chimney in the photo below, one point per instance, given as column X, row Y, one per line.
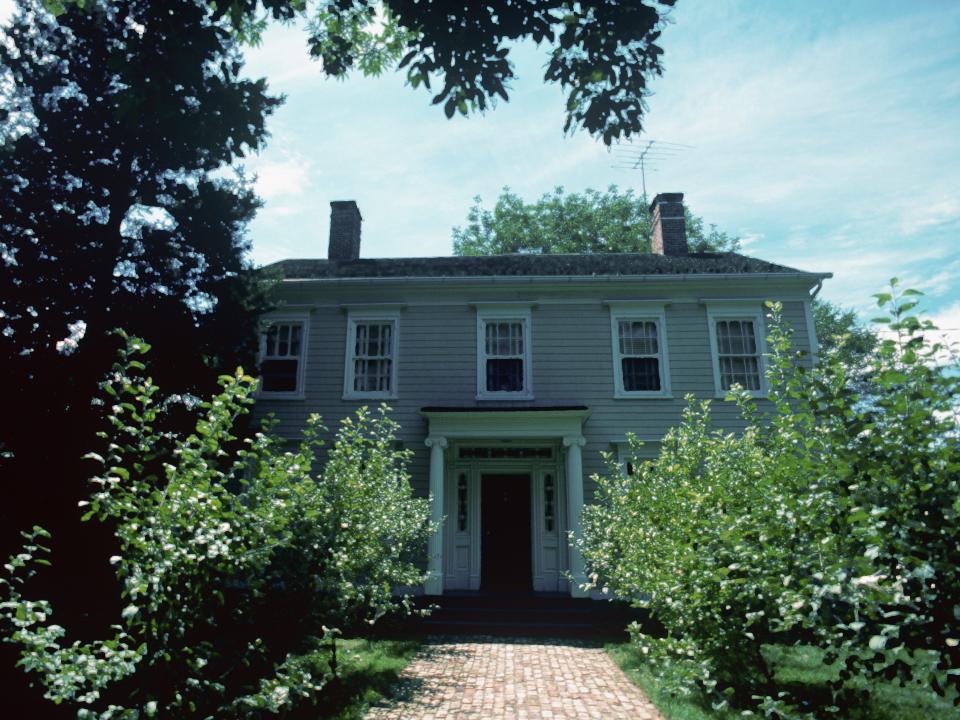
column 669, row 227
column 345, row 222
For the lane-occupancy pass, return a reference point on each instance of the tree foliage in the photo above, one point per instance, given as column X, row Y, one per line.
column 603, row 53
column 114, row 122
column 559, row 222
column 118, row 128
column 232, row 562
column 839, row 330
column 830, row 521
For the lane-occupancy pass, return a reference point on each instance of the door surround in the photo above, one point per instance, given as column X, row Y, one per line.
column 452, row 427
column 462, row 541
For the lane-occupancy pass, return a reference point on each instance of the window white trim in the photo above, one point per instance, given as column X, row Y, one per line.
column 640, row 312
column 281, row 317
column 751, row 310
column 360, row 317
column 506, row 313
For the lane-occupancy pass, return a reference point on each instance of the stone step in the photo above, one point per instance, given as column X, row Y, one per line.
column 518, row 614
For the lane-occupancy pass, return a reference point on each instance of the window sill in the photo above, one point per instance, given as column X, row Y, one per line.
column 642, row 396
column 369, row 396
column 758, row 394
column 505, row 396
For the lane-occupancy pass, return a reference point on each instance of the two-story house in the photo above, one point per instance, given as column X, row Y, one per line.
column 511, row 374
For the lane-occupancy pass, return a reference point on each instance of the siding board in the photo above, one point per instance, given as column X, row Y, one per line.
column 572, row 363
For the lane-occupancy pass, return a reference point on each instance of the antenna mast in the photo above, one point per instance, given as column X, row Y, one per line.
column 646, row 156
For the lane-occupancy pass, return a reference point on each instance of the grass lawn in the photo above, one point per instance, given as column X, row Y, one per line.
column 633, row 663
column 797, row 665
column 367, row 671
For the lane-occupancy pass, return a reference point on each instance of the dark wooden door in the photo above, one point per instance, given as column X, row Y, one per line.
column 505, row 526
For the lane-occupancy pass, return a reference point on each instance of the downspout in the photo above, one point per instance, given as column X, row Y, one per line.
column 817, row 289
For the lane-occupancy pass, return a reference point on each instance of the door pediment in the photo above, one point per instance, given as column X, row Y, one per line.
column 500, row 423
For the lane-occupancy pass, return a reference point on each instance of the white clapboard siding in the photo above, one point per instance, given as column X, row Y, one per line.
column 572, row 358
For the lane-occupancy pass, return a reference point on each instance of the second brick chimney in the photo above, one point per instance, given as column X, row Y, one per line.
column 345, row 222
column 669, row 227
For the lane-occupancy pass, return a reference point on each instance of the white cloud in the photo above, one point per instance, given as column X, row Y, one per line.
column 283, row 178
column 947, row 321
column 922, row 213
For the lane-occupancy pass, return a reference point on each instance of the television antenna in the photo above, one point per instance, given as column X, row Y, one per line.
column 646, row 156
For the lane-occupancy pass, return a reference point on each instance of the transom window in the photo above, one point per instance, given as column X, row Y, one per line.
column 738, row 354
column 371, row 362
column 639, row 352
column 282, row 349
column 503, row 355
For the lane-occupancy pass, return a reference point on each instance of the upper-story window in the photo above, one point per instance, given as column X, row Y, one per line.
column 640, row 360
column 283, row 343
column 371, row 361
column 503, row 353
column 737, row 343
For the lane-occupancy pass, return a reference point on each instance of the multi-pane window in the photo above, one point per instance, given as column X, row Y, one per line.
column 640, row 366
column 281, row 357
column 738, row 354
column 371, row 358
column 639, row 355
column 504, row 351
column 503, row 356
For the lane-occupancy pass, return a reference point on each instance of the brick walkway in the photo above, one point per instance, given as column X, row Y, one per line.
column 495, row 678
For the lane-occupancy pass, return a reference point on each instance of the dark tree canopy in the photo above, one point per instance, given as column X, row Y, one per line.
column 113, row 126
column 603, row 53
column 560, row 222
column 118, row 126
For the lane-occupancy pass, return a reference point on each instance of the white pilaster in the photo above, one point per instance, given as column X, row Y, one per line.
column 574, row 443
column 434, row 585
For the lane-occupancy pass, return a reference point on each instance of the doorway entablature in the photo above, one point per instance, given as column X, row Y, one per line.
column 555, row 427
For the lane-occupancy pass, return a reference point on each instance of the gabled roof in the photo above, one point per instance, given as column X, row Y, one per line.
column 522, row 264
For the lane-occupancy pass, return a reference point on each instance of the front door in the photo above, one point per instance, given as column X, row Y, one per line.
column 505, row 526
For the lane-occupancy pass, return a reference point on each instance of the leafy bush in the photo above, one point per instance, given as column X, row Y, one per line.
column 830, row 521
column 234, row 558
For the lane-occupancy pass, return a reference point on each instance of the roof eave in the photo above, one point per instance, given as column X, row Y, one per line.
column 561, row 279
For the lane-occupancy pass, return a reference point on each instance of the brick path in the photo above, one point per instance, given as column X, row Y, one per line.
column 493, row 678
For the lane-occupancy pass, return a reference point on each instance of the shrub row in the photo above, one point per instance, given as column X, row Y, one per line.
column 830, row 521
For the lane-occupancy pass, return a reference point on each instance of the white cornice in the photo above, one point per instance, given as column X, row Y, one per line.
column 560, row 280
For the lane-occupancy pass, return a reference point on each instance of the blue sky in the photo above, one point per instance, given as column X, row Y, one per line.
column 826, row 135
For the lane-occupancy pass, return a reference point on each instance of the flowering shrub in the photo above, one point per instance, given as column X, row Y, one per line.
column 236, row 558
column 831, row 521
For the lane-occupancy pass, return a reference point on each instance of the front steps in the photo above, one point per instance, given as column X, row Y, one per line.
column 525, row 614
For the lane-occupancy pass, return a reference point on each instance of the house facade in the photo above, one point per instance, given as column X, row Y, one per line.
column 512, row 375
